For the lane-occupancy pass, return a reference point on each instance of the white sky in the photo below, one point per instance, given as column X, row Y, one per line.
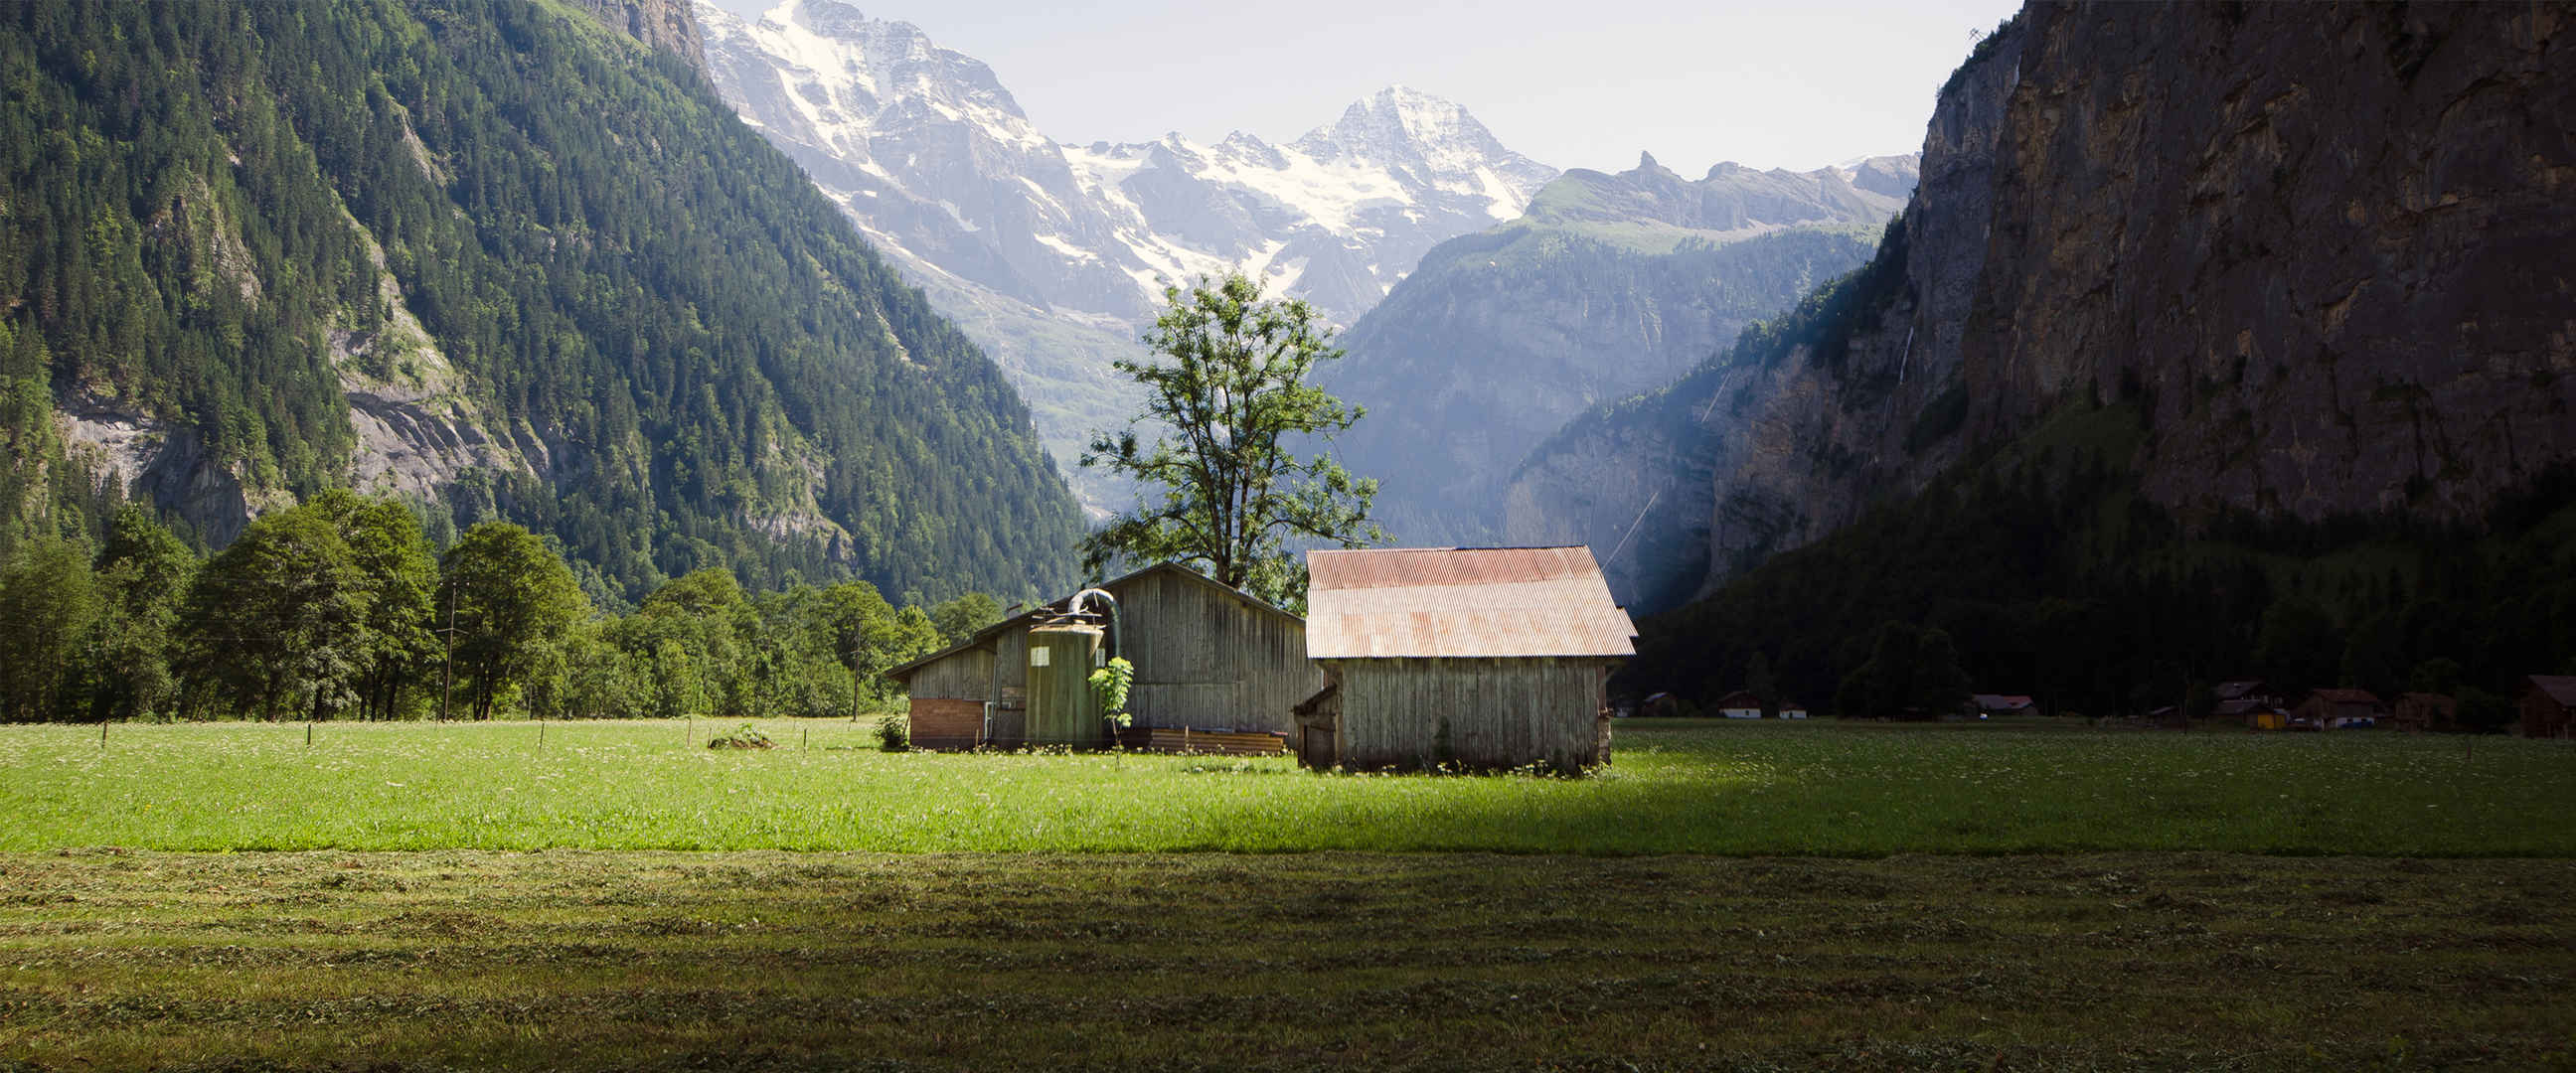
column 1580, row 84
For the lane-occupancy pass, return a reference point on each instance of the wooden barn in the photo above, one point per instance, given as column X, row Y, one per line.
column 2339, row 709
column 1480, row 657
column 1216, row 671
column 1741, row 704
column 2549, row 706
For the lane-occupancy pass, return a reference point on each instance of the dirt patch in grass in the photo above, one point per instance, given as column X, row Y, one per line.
column 646, row 960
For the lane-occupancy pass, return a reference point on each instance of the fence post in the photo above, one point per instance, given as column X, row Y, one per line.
column 308, row 733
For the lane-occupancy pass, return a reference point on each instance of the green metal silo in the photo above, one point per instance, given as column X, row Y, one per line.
column 1062, row 710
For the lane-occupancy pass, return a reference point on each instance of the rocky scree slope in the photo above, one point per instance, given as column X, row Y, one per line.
column 1607, row 286
column 2315, row 248
column 1054, row 255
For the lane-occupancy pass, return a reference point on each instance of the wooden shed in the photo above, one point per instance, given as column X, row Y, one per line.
column 2549, row 706
column 1741, row 704
column 2339, row 709
column 1483, row 658
column 1212, row 661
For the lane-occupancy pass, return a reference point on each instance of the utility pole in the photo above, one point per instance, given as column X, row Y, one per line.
column 854, row 681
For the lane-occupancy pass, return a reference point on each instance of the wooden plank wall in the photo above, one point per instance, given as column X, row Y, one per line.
column 1204, row 658
column 1009, row 687
column 1207, row 659
column 1502, row 713
column 968, row 675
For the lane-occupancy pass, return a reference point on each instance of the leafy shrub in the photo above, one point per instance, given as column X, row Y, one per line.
column 1110, row 684
column 745, row 736
column 894, row 734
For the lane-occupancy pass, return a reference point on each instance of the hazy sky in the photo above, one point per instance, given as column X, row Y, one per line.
column 1573, row 83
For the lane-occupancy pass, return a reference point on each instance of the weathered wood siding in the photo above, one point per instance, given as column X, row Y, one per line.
column 1205, row 658
column 1008, row 688
column 1500, row 713
column 967, row 675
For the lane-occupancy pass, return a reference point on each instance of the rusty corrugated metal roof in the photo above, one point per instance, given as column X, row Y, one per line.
column 1462, row 602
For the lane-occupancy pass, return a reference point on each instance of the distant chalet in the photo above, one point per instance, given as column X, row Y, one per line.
column 1483, row 658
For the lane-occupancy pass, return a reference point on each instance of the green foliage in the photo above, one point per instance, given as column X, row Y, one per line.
column 959, row 619
column 1110, row 683
column 1911, row 673
column 2486, row 712
column 511, row 600
column 278, row 624
column 2055, row 577
column 48, row 605
column 2440, row 674
column 894, row 734
column 338, row 608
column 2297, row 645
column 628, row 284
column 1234, row 387
column 746, row 736
column 144, row 572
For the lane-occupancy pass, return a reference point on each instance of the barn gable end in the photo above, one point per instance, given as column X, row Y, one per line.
column 1478, row 657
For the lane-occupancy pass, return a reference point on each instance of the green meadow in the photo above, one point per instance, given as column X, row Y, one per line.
column 1745, row 789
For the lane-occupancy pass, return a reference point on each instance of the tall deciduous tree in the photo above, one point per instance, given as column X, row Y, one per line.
column 1225, row 391
column 143, row 574
column 385, row 542
column 48, row 605
column 514, row 600
column 281, row 616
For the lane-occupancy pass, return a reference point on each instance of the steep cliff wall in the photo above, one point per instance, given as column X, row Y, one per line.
column 662, row 24
column 2314, row 246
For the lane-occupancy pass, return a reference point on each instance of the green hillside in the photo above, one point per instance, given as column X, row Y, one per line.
column 604, row 309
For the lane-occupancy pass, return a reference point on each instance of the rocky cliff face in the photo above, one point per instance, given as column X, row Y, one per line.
column 662, row 24
column 2313, row 246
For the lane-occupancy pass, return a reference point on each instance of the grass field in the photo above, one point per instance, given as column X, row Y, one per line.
column 763, row 960
column 1740, row 789
column 1725, row 896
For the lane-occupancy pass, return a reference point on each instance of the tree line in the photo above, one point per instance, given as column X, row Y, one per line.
column 341, row 608
column 2044, row 570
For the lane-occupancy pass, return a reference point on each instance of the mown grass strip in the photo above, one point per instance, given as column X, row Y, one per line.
column 586, row 960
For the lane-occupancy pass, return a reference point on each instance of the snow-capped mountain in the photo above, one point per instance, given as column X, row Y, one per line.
column 929, row 151
column 1052, row 255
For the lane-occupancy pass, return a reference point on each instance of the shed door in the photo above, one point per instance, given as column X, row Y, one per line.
column 1315, row 747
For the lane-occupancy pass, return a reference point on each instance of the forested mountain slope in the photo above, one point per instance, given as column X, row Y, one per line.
column 2208, row 324
column 1608, row 285
column 493, row 256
